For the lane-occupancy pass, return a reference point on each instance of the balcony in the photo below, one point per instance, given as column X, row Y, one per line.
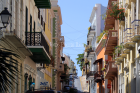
column 43, row 4
column 98, row 76
column 90, row 53
column 135, row 31
column 117, row 56
column 52, row 62
column 91, row 34
column 60, row 68
column 128, row 43
column 111, row 42
column 12, row 39
column 90, row 75
column 62, row 41
column 37, row 44
column 111, row 70
column 126, row 66
column 109, row 21
column 124, row 52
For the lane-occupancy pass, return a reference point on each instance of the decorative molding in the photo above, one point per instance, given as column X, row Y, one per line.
column 28, row 68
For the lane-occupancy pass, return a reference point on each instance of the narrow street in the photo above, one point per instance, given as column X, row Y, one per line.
column 77, row 85
column 69, row 46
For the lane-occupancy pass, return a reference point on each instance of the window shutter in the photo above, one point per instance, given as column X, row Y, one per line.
column 30, row 23
column 44, row 26
column 34, row 26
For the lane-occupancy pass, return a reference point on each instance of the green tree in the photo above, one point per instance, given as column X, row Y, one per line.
column 80, row 60
column 8, row 69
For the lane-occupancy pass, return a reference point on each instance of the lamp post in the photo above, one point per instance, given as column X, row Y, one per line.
column 5, row 17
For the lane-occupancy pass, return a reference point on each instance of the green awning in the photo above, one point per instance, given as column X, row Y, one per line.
column 43, row 4
column 39, row 55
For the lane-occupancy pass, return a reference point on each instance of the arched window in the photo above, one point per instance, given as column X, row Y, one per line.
column 30, row 81
column 26, row 77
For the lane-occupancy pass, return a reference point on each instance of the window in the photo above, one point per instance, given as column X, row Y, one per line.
column 26, row 19
column 26, row 23
column 30, row 81
column 44, row 26
column 11, row 13
column 21, row 19
column 41, row 20
column 38, row 13
column 30, row 23
column 25, row 85
column 34, row 26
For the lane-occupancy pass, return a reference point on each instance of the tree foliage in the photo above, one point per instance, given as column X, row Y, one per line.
column 80, row 60
column 8, row 69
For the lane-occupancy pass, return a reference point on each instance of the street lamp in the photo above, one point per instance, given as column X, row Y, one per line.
column 139, row 51
column 5, row 17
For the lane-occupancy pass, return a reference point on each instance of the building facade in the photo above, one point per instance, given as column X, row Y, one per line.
column 30, row 34
column 90, row 56
column 58, row 44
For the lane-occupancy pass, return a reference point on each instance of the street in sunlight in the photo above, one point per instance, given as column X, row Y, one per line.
column 69, row 46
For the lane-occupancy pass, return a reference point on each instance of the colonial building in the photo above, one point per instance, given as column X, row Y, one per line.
column 90, row 56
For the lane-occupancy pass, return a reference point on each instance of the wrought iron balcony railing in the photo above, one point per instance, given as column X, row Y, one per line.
column 98, row 76
column 36, row 39
column 91, row 73
column 91, row 30
column 90, row 50
column 135, row 30
column 111, row 69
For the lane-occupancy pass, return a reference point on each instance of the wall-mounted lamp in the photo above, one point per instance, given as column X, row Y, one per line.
column 5, row 17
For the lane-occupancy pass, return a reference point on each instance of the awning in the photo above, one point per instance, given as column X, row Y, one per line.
column 43, row 4
column 39, row 54
column 99, row 60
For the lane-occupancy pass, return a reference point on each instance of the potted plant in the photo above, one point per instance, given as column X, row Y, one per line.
column 116, row 12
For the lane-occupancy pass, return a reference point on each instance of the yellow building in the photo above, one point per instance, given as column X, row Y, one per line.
column 48, row 31
column 128, row 40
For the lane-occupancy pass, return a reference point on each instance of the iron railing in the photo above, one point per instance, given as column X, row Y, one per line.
column 98, row 74
column 90, row 30
column 90, row 50
column 36, row 39
column 110, row 65
column 91, row 73
column 135, row 27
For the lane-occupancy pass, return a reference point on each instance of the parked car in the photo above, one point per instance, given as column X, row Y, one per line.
column 59, row 92
column 41, row 91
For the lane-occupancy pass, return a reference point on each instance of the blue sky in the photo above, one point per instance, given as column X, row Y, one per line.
column 75, row 18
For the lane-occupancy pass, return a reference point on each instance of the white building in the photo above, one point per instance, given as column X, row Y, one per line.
column 97, row 26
